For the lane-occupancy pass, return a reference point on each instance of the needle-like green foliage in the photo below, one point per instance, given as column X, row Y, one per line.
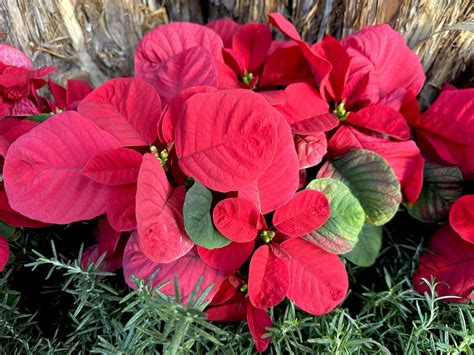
column 381, row 315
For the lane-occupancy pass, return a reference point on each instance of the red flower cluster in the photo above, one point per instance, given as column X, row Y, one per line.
column 197, row 166
column 19, row 84
column 445, row 133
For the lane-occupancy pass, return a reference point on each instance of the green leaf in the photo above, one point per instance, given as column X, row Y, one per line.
column 442, row 186
column 367, row 249
column 198, row 220
column 6, row 230
column 340, row 232
column 40, row 118
column 371, row 180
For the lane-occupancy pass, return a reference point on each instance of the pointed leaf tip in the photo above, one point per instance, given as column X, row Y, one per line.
column 258, row 321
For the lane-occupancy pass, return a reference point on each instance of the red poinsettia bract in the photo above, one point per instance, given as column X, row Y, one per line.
column 19, row 83
column 445, row 132
column 450, row 260
column 360, row 77
column 199, row 159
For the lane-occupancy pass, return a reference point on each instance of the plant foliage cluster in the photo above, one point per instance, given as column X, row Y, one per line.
column 236, row 177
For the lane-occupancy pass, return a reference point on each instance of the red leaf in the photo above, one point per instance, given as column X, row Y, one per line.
column 384, row 52
column 108, row 242
column 117, row 166
column 311, row 149
column 381, row 119
column 128, row 108
column 237, row 219
column 285, row 26
column 304, row 213
column 13, row 56
column 268, row 278
column 225, row 28
column 235, row 61
column 13, row 218
column 306, row 111
column 192, row 67
column 461, row 217
column 274, row 97
column 165, row 41
column 358, row 91
column 187, row 269
column 302, row 181
column 280, row 181
column 403, row 157
column 286, row 65
column 107, row 237
column 59, row 94
column 121, row 207
column 446, row 130
column 410, row 108
column 229, row 312
column 224, row 294
column 319, row 66
column 447, row 152
column 226, row 77
column 76, row 91
column 225, row 139
column 252, row 42
column 258, row 320
column 159, row 212
column 450, row 259
column 169, row 118
column 227, row 258
column 92, row 254
column 332, row 50
column 4, row 252
column 42, row 170
column 11, row 129
column 22, row 108
column 318, row 279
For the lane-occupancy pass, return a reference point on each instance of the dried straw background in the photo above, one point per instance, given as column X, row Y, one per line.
column 94, row 39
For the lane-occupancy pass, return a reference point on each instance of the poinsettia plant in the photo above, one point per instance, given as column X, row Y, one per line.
column 252, row 167
column 444, row 134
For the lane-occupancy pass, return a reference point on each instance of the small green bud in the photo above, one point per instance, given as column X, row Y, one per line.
column 154, row 151
column 161, row 156
column 244, row 288
column 340, row 111
column 164, row 155
column 247, row 78
column 267, row 235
